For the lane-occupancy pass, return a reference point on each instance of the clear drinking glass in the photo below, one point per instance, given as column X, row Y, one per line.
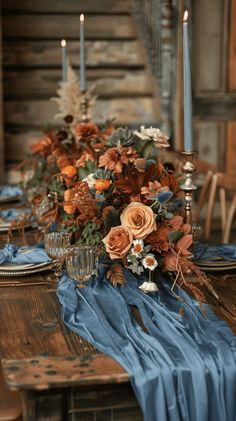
column 81, row 263
column 55, row 244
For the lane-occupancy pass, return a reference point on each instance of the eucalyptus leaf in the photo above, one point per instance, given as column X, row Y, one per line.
column 174, row 236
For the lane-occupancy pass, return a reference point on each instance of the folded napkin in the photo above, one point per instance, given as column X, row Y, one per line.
column 10, row 191
column 23, row 255
column 203, row 251
column 12, row 214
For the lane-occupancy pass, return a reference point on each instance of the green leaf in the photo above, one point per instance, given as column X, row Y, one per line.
column 174, row 236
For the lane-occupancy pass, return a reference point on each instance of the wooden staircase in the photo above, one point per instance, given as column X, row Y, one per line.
column 115, row 57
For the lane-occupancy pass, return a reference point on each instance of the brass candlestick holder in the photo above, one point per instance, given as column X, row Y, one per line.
column 188, row 186
column 84, row 107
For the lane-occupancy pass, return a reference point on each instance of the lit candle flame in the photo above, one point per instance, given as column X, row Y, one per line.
column 81, row 17
column 185, row 19
column 63, row 43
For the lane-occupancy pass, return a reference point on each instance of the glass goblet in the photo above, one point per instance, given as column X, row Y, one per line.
column 55, row 244
column 81, row 263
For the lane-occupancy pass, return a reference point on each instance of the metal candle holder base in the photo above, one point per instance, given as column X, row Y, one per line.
column 188, row 186
column 84, row 107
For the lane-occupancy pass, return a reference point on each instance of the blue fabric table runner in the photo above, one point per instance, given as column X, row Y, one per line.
column 184, row 368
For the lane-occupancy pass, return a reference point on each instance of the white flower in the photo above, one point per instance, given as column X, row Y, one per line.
column 90, row 180
column 149, row 262
column 160, row 139
column 138, row 247
column 148, row 287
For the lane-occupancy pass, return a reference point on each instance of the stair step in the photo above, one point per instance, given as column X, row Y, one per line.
column 68, row 6
column 55, row 27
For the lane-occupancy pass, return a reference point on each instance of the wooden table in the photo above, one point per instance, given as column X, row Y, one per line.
column 58, row 372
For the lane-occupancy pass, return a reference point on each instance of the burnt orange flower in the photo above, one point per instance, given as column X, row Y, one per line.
column 81, row 162
column 101, row 185
column 63, row 161
column 169, row 179
column 114, row 158
column 57, row 151
column 80, row 199
column 86, row 131
column 43, row 146
column 153, row 188
column 158, row 239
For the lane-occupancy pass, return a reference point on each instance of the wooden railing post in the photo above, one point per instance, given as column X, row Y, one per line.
column 155, row 20
column 1, row 111
column 166, row 66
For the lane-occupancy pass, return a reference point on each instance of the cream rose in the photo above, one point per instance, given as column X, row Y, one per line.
column 118, row 242
column 139, row 218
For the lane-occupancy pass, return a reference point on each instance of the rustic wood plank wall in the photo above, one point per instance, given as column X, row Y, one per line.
column 32, row 65
column 214, row 81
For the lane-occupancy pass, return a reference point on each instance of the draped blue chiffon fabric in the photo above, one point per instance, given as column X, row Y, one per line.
column 23, row 255
column 183, row 367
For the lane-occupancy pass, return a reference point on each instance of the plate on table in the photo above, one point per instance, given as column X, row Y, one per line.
column 219, row 265
column 4, row 227
column 16, row 218
column 5, row 199
column 14, row 269
column 10, row 194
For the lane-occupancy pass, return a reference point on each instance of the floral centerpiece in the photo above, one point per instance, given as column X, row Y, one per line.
column 118, row 197
column 107, row 187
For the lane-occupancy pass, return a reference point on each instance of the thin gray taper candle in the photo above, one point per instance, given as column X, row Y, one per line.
column 188, row 130
column 82, row 59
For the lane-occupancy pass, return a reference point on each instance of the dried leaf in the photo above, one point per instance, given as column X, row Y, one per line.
column 115, row 275
column 181, row 311
column 200, row 297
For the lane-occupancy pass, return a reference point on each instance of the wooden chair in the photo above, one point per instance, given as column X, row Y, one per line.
column 207, row 194
column 224, row 187
column 10, row 403
column 227, row 193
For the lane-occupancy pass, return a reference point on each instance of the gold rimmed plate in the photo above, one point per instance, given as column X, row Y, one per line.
column 216, row 265
column 11, row 269
column 6, row 199
column 6, row 226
